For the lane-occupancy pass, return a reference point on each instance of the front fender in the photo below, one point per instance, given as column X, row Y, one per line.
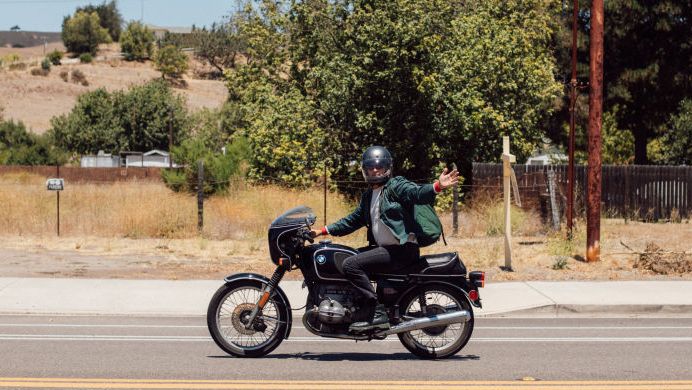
column 277, row 291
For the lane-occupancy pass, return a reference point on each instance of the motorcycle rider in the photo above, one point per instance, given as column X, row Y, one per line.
column 385, row 209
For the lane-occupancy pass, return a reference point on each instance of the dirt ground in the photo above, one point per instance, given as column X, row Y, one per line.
column 538, row 257
column 34, row 100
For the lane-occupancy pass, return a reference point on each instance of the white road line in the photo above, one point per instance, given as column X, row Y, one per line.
column 309, row 339
column 146, row 326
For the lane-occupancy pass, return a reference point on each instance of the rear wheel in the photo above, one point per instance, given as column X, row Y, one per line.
column 440, row 341
column 228, row 316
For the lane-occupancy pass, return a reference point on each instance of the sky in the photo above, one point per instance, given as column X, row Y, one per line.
column 47, row 15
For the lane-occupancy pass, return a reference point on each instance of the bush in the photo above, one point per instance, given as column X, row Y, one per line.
column 171, row 62
column 219, row 168
column 18, row 66
column 137, row 42
column 46, row 64
column 64, row 75
column 20, row 147
column 40, row 72
column 55, row 56
column 136, row 120
column 86, row 58
column 78, row 77
column 82, row 33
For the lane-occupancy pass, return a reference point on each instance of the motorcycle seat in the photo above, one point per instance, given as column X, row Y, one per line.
column 437, row 264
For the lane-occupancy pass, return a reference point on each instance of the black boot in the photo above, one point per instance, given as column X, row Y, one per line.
column 376, row 319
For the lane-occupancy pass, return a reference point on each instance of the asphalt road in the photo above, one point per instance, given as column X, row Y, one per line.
column 126, row 350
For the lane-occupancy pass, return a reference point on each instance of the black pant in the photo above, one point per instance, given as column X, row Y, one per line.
column 380, row 259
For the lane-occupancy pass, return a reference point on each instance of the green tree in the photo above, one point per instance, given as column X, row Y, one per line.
column 647, row 53
column 326, row 79
column 137, row 42
column 109, row 17
column 20, row 147
column 82, row 33
column 136, row 120
column 221, row 46
column 675, row 145
column 171, row 62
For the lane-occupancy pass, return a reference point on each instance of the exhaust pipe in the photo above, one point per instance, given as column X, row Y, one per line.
column 427, row 322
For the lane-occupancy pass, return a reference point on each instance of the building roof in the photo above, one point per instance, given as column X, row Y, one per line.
column 156, row 151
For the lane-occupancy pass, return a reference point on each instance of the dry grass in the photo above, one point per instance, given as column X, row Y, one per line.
column 142, row 210
column 145, row 230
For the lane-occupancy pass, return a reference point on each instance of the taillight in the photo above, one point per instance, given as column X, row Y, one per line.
column 473, row 295
column 477, row 278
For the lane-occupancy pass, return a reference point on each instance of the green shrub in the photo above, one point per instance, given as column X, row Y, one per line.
column 86, row 58
column 171, row 62
column 137, row 42
column 46, row 64
column 21, row 147
column 55, row 56
column 219, row 168
column 560, row 263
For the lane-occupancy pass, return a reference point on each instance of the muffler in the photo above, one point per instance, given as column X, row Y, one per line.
column 427, row 322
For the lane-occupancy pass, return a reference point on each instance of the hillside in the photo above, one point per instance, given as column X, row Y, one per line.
column 34, row 100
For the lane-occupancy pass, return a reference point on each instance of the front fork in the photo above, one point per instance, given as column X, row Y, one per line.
column 267, row 293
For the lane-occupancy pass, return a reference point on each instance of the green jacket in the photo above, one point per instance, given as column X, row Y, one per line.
column 396, row 209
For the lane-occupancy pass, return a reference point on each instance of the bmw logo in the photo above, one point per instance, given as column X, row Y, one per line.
column 321, row 259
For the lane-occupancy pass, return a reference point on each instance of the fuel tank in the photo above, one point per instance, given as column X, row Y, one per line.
column 324, row 261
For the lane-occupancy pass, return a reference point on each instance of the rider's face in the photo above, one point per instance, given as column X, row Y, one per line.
column 376, row 171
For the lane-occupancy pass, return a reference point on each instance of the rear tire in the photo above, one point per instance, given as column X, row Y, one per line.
column 228, row 309
column 442, row 341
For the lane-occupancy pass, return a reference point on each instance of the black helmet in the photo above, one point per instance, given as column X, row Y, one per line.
column 377, row 157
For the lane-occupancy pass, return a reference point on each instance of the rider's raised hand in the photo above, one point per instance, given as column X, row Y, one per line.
column 448, row 179
column 315, row 233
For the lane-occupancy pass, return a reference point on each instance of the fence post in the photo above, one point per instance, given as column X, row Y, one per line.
column 507, row 160
column 200, row 195
column 554, row 207
column 455, row 206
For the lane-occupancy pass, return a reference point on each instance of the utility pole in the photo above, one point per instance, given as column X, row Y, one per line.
column 593, row 209
column 572, row 115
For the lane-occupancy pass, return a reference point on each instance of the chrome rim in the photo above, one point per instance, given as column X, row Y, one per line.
column 231, row 317
column 436, row 339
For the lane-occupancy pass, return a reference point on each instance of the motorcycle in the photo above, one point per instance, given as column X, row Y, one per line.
column 429, row 304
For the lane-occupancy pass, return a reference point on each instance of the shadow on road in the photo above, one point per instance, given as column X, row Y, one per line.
column 351, row 356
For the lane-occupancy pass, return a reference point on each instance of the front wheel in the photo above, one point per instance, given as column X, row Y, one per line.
column 440, row 341
column 228, row 314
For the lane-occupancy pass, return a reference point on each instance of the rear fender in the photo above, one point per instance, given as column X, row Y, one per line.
column 461, row 289
column 260, row 279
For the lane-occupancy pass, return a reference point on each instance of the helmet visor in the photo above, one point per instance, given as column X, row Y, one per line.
column 377, row 163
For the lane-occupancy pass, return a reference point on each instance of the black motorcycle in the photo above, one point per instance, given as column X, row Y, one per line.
column 428, row 303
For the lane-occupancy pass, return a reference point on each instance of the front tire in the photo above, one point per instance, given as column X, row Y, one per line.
column 227, row 316
column 442, row 341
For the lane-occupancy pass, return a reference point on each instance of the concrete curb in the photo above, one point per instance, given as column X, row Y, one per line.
column 571, row 310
